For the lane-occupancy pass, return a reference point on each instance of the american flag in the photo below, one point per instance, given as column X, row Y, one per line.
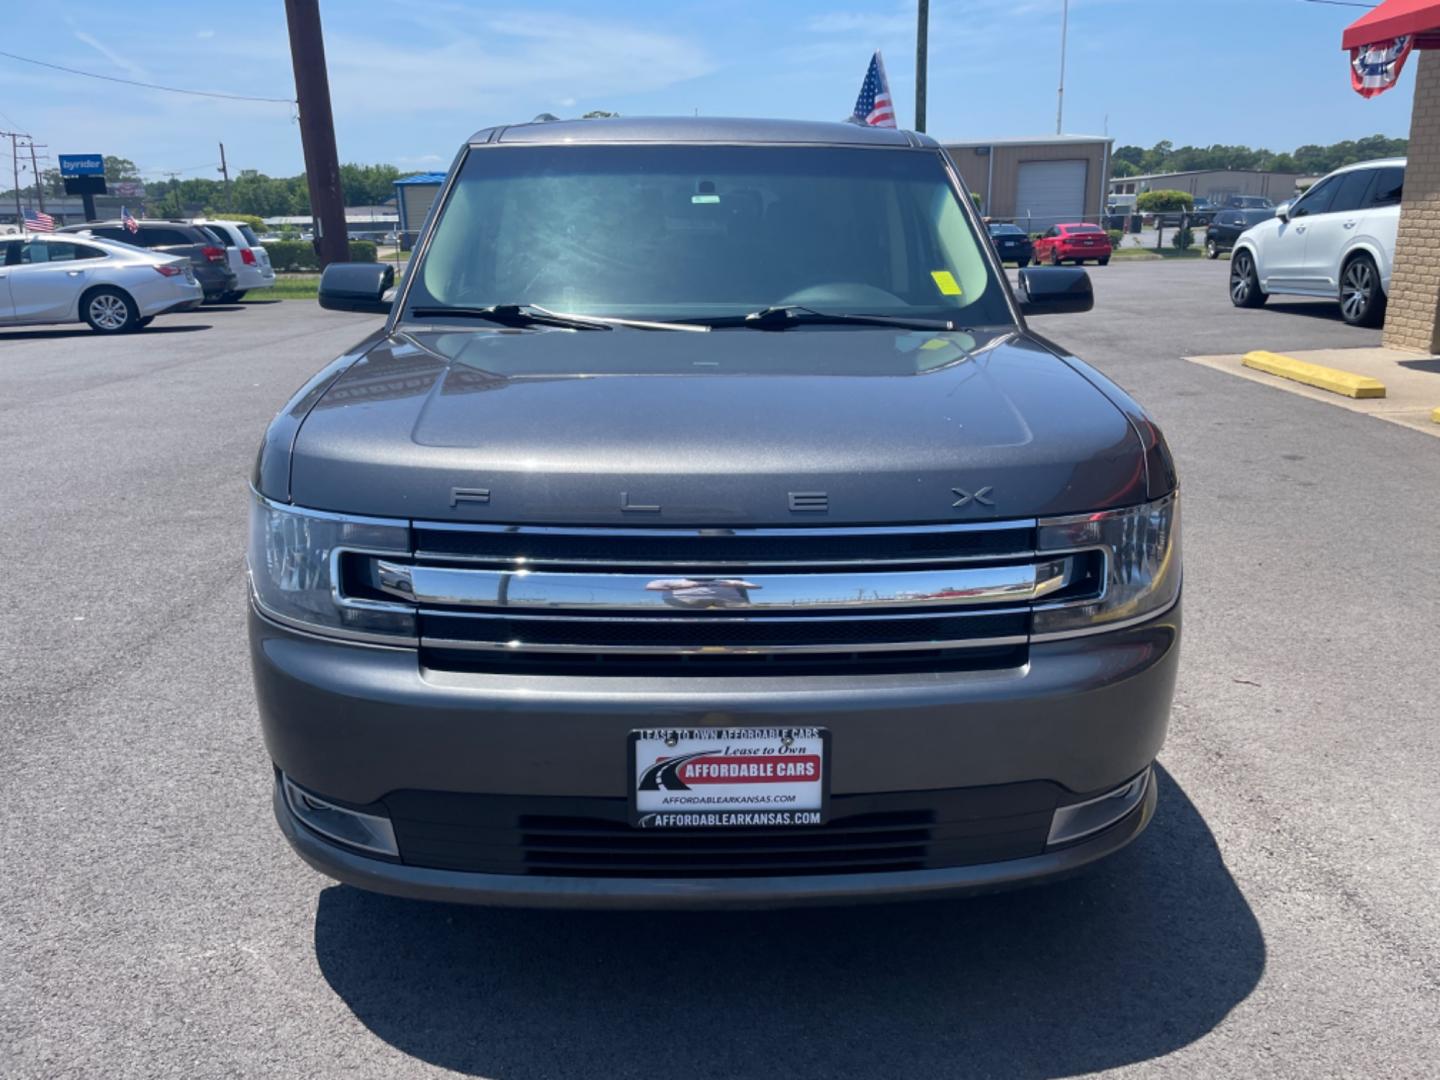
column 1375, row 68
column 39, row 221
column 131, row 225
column 873, row 106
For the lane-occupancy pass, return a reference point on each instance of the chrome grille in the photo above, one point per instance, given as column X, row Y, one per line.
column 773, row 600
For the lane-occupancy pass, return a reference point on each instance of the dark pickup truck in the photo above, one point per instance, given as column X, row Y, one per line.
column 705, row 526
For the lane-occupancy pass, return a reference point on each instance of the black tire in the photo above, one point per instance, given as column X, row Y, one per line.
column 1104, row 262
column 109, row 310
column 1212, row 250
column 1022, row 263
column 1244, row 282
column 1054, row 257
column 238, row 295
column 140, row 324
column 1362, row 301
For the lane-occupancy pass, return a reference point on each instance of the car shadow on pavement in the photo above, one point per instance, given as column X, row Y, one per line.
column 86, row 332
column 1327, row 310
column 1140, row 956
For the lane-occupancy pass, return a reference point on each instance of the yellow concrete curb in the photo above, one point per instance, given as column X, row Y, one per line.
column 1325, row 378
column 1435, row 415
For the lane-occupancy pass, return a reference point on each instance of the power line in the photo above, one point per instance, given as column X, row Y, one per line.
column 145, row 85
column 1342, row 3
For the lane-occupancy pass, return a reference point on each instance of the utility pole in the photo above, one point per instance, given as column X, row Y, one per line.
column 15, row 136
column 1060, row 96
column 317, row 130
column 35, row 168
column 922, row 61
column 225, row 172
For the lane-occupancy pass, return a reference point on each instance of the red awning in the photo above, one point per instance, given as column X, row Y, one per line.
column 1394, row 18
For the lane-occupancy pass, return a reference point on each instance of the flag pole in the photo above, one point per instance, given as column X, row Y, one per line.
column 1060, row 95
column 922, row 49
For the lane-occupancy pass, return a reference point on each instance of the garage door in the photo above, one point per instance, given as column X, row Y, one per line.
column 1051, row 192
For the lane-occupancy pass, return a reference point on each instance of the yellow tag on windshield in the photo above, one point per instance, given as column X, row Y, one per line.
column 945, row 282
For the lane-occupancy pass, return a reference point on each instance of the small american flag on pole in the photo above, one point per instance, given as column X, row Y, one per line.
column 874, row 106
column 38, row 221
column 131, row 225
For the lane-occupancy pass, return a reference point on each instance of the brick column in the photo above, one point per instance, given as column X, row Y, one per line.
column 1412, row 320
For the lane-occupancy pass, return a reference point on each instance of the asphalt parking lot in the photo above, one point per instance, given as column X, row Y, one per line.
column 1279, row 918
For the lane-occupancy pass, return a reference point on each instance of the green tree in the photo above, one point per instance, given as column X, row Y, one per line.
column 119, row 168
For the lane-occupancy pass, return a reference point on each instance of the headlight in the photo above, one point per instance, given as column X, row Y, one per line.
column 296, row 571
column 1140, row 546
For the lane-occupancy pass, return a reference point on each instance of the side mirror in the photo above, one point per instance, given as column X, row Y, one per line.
column 357, row 287
column 1055, row 290
column 1283, row 211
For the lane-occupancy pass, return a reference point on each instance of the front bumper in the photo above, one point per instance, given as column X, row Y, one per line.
column 357, row 724
column 515, row 890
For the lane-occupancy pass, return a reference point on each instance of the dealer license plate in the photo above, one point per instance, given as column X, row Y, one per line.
column 686, row 778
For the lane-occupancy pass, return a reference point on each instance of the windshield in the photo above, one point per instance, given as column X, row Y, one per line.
column 688, row 232
column 1006, row 230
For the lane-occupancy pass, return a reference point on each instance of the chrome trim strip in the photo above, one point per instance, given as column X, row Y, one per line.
column 720, row 650
column 568, row 592
column 749, row 563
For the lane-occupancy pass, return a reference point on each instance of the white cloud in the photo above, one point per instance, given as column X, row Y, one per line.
column 135, row 71
column 508, row 65
column 204, row 34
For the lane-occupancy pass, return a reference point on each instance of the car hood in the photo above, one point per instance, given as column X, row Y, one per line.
column 664, row 427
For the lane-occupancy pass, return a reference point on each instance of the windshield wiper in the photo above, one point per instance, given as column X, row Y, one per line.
column 535, row 315
column 512, row 315
column 792, row 315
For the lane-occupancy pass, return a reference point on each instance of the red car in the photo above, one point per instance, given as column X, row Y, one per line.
column 1074, row 242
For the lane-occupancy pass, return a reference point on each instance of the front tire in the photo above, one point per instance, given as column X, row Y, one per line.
column 1212, row 250
column 1362, row 303
column 1054, row 257
column 1244, row 281
column 109, row 311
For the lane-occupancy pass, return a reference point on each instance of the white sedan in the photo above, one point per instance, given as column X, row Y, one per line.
column 113, row 287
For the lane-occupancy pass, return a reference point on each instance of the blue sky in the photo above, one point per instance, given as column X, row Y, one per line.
column 411, row 78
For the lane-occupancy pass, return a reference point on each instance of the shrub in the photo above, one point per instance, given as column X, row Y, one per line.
column 1163, row 200
column 1184, row 239
column 290, row 256
column 256, row 223
column 1116, row 236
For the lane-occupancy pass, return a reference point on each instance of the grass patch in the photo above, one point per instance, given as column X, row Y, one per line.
column 287, row 287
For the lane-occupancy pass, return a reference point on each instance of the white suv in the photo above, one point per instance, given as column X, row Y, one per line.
column 1337, row 241
column 247, row 258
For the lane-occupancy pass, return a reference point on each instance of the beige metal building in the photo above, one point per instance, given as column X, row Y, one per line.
column 1036, row 182
column 1217, row 185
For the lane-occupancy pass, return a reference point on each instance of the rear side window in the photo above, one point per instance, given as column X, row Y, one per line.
column 221, row 235
column 154, row 236
column 249, row 235
column 115, row 234
column 1389, row 185
column 1352, row 192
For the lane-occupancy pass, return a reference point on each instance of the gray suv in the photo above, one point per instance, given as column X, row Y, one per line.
column 705, row 527
column 204, row 249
